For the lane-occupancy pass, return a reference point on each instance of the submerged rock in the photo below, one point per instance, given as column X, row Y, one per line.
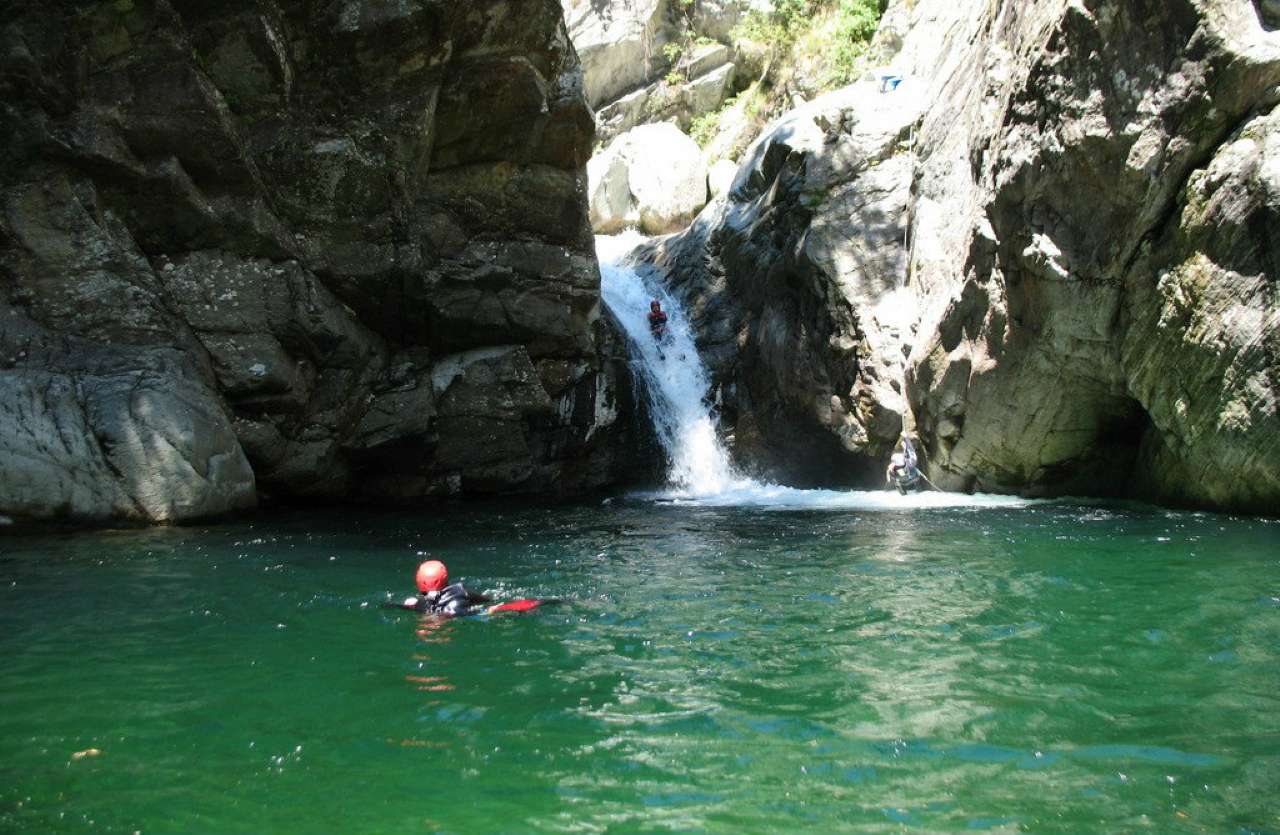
column 240, row 241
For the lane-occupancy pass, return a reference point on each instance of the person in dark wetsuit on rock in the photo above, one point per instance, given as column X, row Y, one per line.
column 436, row 597
column 657, row 321
column 903, row 473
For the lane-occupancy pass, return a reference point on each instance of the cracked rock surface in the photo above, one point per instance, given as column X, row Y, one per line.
column 1056, row 266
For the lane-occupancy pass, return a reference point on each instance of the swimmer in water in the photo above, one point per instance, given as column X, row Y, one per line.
column 436, row 597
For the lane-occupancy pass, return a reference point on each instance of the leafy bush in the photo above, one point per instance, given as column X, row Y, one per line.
column 703, row 128
column 813, row 46
column 751, row 102
column 778, row 27
column 837, row 30
column 856, row 22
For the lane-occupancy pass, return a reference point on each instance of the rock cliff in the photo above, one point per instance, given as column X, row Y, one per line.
column 1050, row 253
column 648, row 61
column 295, row 249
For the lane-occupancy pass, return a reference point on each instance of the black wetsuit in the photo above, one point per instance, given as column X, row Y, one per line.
column 907, row 478
column 450, row 602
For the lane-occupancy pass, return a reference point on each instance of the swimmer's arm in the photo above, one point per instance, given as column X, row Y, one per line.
column 477, row 597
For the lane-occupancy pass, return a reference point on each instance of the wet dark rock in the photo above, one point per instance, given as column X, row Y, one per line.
column 793, row 280
column 241, row 241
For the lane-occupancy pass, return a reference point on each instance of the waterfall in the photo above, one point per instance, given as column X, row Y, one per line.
column 678, row 389
column 674, row 379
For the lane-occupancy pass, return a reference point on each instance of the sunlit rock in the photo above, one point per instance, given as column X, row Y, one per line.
column 663, row 61
column 652, row 178
column 720, row 176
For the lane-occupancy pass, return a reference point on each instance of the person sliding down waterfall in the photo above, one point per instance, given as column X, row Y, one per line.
column 658, row 322
column 662, row 338
column 436, row 597
column 902, row 471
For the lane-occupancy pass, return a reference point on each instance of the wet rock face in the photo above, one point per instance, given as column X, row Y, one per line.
column 1062, row 281
column 241, row 243
column 793, row 281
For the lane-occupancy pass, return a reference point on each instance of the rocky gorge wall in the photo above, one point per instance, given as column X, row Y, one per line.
column 296, row 250
column 1049, row 254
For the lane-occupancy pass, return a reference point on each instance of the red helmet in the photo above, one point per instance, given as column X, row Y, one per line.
column 432, row 576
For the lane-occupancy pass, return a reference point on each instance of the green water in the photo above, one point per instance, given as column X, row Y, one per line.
column 1054, row 668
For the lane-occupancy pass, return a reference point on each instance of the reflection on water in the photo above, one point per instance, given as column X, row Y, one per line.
column 431, row 630
column 1011, row 667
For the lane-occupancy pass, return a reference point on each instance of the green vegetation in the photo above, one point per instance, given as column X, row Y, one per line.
column 855, row 25
column 677, row 49
column 750, row 102
column 779, row 27
column 703, row 128
column 807, row 48
column 797, row 48
column 834, row 32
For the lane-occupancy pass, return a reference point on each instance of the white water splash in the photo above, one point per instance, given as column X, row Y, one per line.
column 777, row 497
column 678, row 390
column 674, row 378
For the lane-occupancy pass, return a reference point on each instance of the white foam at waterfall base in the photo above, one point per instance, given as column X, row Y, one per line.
column 678, row 390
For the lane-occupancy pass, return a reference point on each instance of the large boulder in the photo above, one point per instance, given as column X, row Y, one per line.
column 652, row 178
column 701, row 83
column 1057, row 271
column 244, row 237
column 1201, row 346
